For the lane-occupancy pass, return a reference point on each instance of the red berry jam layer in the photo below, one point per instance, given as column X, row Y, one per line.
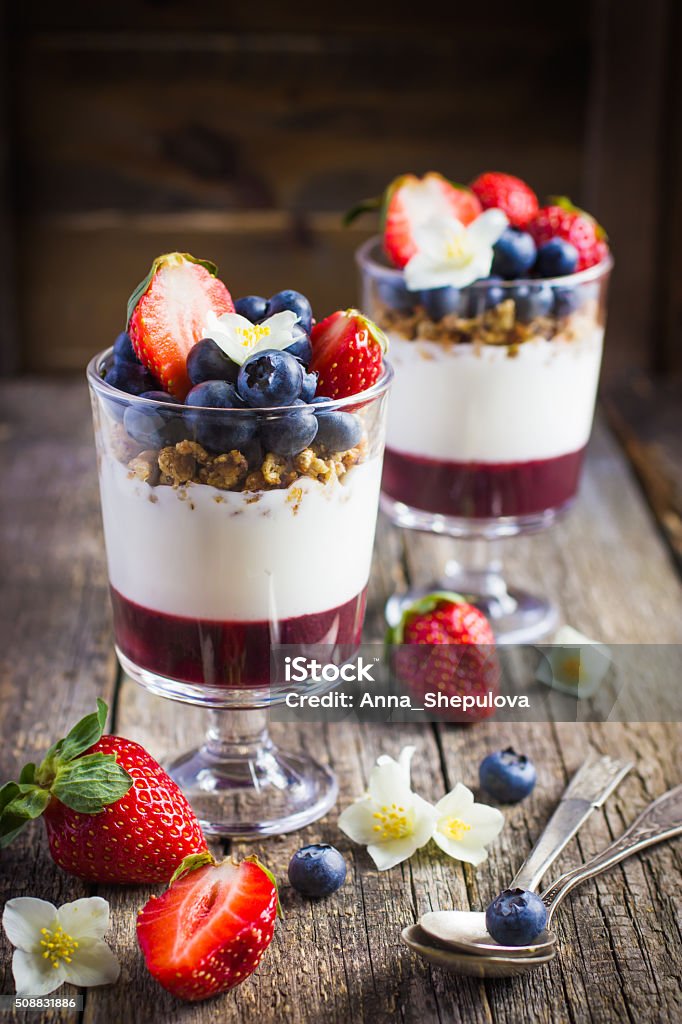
column 481, row 490
column 230, row 654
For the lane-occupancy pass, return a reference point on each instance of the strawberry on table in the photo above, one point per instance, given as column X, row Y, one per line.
column 209, row 930
column 564, row 220
column 505, row 192
column 409, row 202
column 111, row 812
column 167, row 314
column 444, row 645
column 347, row 353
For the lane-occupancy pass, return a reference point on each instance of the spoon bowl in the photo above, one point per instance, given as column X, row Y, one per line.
column 472, row 965
column 464, row 931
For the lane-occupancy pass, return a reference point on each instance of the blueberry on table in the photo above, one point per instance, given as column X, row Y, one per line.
column 556, row 258
column 300, row 347
column 532, row 301
column 513, row 253
column 338, row 431
column 133, row 378
column 317, row 870
column 290, row 432
column 123, row 349
column 395, row 295
column 516, row 917
column 438, row 302
column 207, row 361
column 270, row 378
column 309, row 386
column 566, row 301
column 297, row 303
column 507, row 776
column 219, row 433
column 253, row 307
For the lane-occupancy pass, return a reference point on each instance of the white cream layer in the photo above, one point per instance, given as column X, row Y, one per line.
column 217, row 555
column 469, row 403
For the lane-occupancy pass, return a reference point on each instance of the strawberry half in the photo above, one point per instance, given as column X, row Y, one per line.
column 209, row 930
column 111, row 812
column 348, row 353
column 167, row 313
column 409, row 202
column 444, row 645
column 564, row 220
column 507, row 193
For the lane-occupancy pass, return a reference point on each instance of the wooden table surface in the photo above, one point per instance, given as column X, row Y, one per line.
column 341, row 960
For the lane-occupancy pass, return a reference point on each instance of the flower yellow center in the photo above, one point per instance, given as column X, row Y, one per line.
column 571, row 668
column 454, row 828
column 57, row 945
column 392, row 823
column 252, row 335
column 458, row 250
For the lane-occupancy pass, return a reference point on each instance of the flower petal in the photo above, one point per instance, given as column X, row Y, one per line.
column 93, row 964
column 87, row 918
column 387, row 855
column 358, row 821
column 33, row 975
column 456, row 803
column 424, row 820
column 487, row 228
column 387, row 785
column 403, row 763
column 458, row 851
column 22, row 919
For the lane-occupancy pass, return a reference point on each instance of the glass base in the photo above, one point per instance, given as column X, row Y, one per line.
column 410, row 518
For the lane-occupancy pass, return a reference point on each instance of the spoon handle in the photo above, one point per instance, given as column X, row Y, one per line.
column 587, row 790
column 661, row 820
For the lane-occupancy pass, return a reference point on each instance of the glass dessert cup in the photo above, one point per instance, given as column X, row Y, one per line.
column 215, row 553
column 490, row 413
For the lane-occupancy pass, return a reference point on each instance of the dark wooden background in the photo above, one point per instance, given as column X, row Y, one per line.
column 242, row 131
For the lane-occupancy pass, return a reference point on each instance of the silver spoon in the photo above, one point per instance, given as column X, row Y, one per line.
column 590, row 787
column 661, row 820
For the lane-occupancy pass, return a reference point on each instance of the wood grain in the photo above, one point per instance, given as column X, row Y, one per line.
column 342, row 960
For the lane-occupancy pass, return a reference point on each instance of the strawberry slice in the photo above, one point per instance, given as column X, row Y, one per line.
column 167, row 313
column 347, row 353
column 209, row 930
column 409, row 202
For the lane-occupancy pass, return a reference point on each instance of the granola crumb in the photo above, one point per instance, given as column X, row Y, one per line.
column 276, row 471
column 145, row 467
column 225, row 471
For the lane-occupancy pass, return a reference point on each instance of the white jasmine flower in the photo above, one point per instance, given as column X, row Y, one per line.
column 57, row 945
column 448, row 253
column 574, row 664
column 390, row 820
column 463, row 828
column 239, row 338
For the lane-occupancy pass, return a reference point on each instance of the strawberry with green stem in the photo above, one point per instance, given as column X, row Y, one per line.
column 348, row 351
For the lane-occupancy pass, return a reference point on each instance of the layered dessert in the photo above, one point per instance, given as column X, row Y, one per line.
column 495, row 311
column 240, row 449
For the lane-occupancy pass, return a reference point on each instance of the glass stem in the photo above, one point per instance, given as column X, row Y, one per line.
column 238, row 733
column 480, row 572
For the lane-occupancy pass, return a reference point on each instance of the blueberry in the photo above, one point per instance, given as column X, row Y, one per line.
column 206, row 361
column 215, row 432
column 301, row 347
column 154, row 428
column 532, row 301
column 395, row 295
column 566, row 301
column 438, row 302
column 133, row 378
column 516, row 917
column 338, row 431
column 317, row 870
column 270, row 378
column 123, row 349
column 556, row 258
column 294, row 301
column 487, row 294
column 513, row 253
column 289, row 433
column 309, row 386
column 507, row 776
column 253, row 307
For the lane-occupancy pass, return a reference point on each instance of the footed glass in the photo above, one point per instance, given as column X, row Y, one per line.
column 217, row 550
column 490, row 414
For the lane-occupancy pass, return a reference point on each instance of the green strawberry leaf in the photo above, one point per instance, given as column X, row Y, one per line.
column 28, row 773
column 19, row 804
column 266, row 871
column 7, row 794
column 423, row 606
column 364, row 206
column 169, row 257
column 90, row 783
column 192, row 862
column 84, row 734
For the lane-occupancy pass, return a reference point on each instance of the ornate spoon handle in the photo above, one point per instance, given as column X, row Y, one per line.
column 661, row 820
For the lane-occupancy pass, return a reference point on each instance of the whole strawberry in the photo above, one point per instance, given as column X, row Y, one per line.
column 347, row 354
column 167, row 315
column 111, row 812
column 209, row 930
column 445, row 646
column 564, row 220
column 507, row 193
